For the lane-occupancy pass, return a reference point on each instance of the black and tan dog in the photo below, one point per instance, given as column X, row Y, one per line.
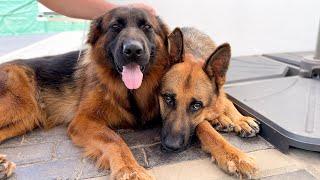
column 114, row 85
column 192, row 99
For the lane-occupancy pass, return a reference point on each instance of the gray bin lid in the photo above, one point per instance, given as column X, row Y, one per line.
column 289, row 109
column 293, row 58
column 248, row 68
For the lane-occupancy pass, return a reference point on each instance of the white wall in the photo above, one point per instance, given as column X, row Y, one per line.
column 251, row 26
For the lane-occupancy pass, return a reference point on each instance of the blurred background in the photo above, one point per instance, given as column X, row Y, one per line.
column 251, row 26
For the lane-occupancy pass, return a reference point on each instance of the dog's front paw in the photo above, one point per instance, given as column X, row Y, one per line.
column 237, row 163
column 223, row 124
column 6, row 167
column 132, row 173
column 246, row 127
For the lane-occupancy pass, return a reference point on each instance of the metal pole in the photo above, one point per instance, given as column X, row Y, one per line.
column 317, row 51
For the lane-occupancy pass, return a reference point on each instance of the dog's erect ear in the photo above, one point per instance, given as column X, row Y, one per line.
column 175, row 46
column 95, row 31
column 217, row 65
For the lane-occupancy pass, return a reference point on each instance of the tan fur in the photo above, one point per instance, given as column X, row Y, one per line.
column 19, row 109
column 199, row 76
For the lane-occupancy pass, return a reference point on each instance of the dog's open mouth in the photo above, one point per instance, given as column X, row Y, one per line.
column 132, row 75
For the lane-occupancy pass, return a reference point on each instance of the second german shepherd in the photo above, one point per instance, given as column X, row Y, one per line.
column 192, row 99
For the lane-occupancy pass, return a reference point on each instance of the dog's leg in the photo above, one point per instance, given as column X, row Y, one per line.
column 244, row 126
column 18, row 104
column 228, row 157
column 107, row 147
column 15, row 129
column 19, row 108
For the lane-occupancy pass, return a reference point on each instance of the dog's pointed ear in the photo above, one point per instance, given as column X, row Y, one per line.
column 95, row 31
column 175, row 46
column 217, row 64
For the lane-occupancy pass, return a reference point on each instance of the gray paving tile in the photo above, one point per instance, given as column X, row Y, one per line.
column 141, row 137
column 89, row 170
column 247, row 144
column 67, row 149
column 37, row 136
column 297, row 175
column 59, row 169
column 29, row 153
column 157, row 157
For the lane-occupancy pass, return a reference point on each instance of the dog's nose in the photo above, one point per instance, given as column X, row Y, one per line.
column 173, row 143
column 133, row 49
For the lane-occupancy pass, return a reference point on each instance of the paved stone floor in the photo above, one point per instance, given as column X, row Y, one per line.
column 51, row 155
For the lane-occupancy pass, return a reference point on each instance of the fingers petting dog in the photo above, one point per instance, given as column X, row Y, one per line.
column 227, row 157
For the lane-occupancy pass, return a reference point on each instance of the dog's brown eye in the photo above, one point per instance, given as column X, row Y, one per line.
column 196, row 106
column 116, row 27
column 147, row 27
column 169, row 100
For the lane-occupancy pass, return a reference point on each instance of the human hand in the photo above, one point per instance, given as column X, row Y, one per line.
column 147, row 7
column 143, row 6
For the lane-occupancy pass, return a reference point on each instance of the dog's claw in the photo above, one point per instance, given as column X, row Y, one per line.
column 6, row 167
column 222, row 128
column 247, row 127
column 224, row 124
column 240, row 165
column 132, row 173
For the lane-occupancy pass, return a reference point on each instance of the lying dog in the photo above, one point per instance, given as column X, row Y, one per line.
column 192, row 99
column 114, row 85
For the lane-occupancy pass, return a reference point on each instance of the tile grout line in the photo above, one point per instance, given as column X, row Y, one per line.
column 145, row 157
column 144, row 145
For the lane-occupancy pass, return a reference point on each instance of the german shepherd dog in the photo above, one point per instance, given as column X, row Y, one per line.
column 114, row 85
column 192, row 99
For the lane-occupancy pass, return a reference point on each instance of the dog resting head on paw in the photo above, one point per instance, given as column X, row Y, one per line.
column 192, row 85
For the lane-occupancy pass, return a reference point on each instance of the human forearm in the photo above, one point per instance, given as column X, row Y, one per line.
column 83, row 9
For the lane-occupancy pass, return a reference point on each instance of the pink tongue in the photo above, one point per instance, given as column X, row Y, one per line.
column 132, row 76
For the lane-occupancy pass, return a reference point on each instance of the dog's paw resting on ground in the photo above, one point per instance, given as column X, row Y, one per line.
column 6, row 167
column 246, row 126
column 237, row 163
column 131, row 173
column 229, row 158
column 223, row 124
